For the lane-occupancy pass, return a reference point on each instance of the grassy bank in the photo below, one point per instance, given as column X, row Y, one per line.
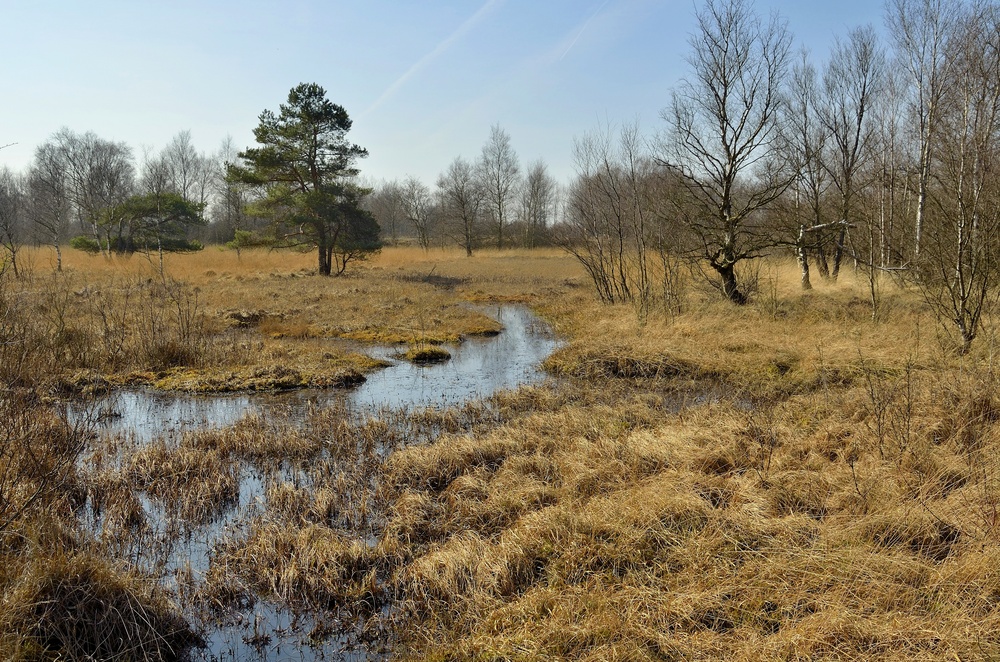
column 215, row 322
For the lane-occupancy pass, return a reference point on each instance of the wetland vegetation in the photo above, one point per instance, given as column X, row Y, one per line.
column 801, row 480
column 660, row 440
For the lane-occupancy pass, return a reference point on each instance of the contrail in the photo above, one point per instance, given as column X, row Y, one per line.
column 470, row 23
column 583, row 28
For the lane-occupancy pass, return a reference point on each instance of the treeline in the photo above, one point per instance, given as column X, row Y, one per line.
column 492, row 201
column 94, row 194
column 883, row 156
column 97, row 195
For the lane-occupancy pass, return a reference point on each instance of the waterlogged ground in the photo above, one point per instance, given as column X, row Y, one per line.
column 478, row 368
column 202, row 498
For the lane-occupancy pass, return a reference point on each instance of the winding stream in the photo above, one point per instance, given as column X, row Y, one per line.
column 479, row 367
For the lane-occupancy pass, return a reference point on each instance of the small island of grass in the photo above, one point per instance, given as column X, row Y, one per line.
column 427, row 355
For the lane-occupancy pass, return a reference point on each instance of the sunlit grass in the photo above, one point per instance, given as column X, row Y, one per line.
column 807, row 476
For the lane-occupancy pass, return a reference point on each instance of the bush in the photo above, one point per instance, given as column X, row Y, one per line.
column 85, row 244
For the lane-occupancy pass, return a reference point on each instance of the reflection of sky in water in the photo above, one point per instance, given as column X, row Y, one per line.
column 478, row 368
column 148, row 414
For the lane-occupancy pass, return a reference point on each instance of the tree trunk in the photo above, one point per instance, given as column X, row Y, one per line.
column 968, row 335
column 838, row 254
column 325, row 260
column 822, row 264
column 106, row 253
column 729, row 286
column 803, row 257
column 922, row 181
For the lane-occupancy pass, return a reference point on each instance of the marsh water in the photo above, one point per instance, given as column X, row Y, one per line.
column 478, row 368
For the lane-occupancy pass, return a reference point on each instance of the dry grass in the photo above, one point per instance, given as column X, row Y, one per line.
column 61, row 602
column 828, row 497
column 213, row 322
column 201, row 482
column 638, row 543
column 786, row 480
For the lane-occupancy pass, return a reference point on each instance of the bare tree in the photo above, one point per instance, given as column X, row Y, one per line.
column 723, row 123
column 892, row 236
column 155, row 175
column 229, row 213
column 539, row 197
column 851, row 82
column 806, row 139
column 48, row 198
column 100, row 176
column 462, row 201
column 960, row 261
column 922, row 30
column 499, row 173
column 612, row 215
column 11, row 221
column 188, row 172
column 386, row 203
column 418, row 205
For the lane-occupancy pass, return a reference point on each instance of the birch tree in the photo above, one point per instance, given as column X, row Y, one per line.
column 418, row 206
column 960, row 261
column 724, row 133
column 48, row 198
column 922, row 31
column 499, row 174
column 462, row 201
column 539, row 196
column 851, row 83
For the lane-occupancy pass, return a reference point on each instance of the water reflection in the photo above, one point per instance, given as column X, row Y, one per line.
column 479, row 367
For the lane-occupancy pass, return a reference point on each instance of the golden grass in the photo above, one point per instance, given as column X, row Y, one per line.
column 307, row 566
column 63, row 603
column 791, row 479
column 213, row 322
column 822, row 500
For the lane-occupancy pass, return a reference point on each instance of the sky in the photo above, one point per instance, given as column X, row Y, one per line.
column 423, row 81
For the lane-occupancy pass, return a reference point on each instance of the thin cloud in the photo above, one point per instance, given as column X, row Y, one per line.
column 445, row 44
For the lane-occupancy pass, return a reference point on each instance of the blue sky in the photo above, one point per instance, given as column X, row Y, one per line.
column 423, row 81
